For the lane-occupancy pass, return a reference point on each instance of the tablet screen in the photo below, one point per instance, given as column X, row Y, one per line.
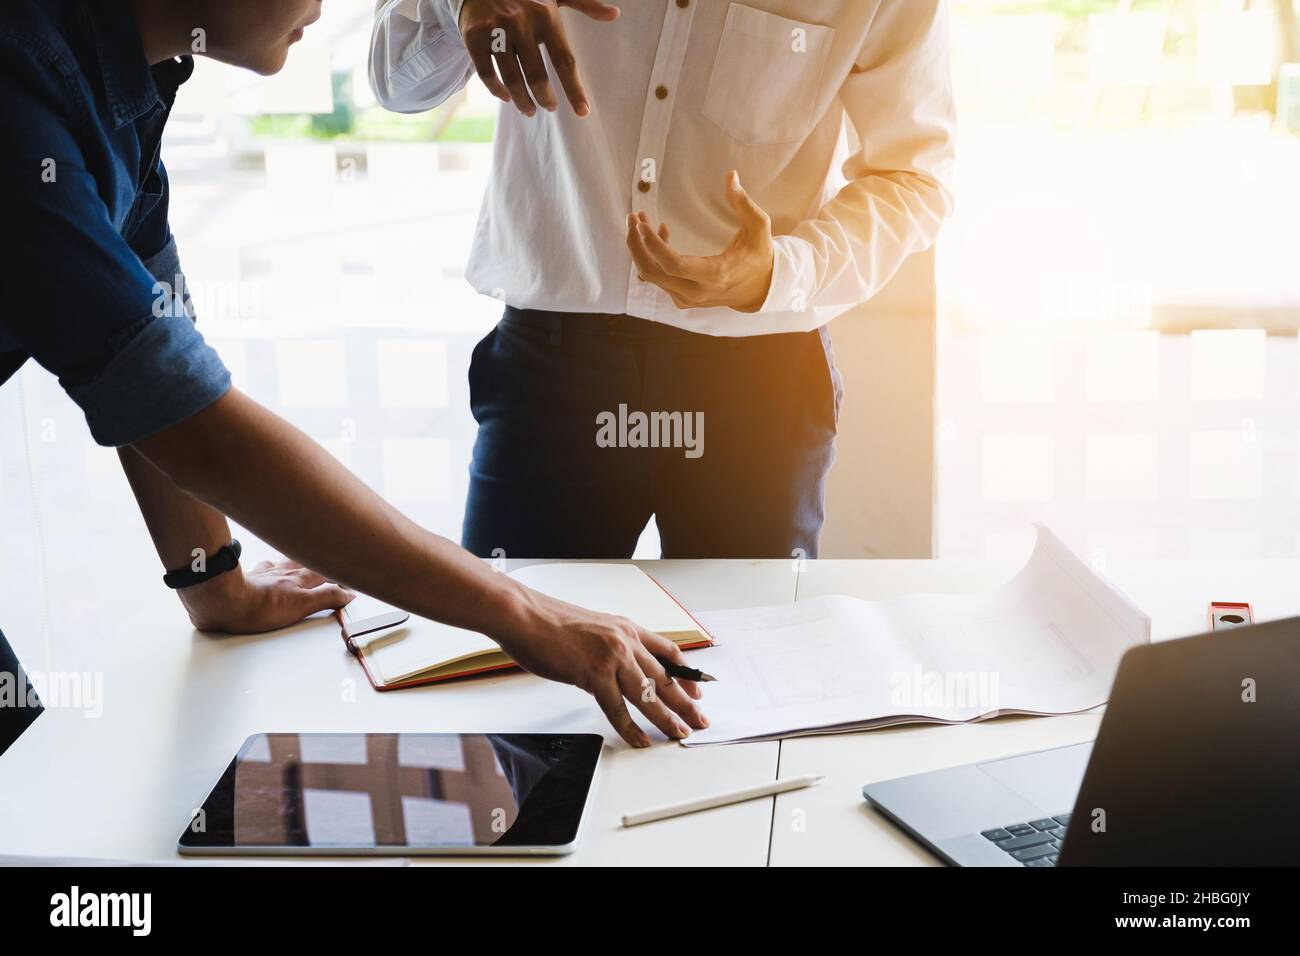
column 398, row 793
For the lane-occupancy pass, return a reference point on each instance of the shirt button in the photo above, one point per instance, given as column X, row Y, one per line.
column 661, row 92
column 683, row 3
column 643, row 186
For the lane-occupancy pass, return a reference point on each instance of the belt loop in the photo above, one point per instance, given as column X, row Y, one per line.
column 557, row 329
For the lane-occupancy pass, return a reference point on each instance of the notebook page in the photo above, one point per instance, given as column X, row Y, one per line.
column 622, row 589
column 398, row 653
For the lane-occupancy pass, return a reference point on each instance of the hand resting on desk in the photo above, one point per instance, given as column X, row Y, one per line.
column 267, row 597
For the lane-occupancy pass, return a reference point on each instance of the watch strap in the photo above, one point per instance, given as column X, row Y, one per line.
column 227, row 559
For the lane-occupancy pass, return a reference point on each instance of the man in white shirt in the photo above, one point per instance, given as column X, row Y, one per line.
column 674, row 216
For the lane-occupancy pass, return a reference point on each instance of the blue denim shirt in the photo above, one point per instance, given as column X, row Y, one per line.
column 90, row 265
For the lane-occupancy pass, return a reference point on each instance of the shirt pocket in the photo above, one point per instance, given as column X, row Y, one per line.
column 766, row 76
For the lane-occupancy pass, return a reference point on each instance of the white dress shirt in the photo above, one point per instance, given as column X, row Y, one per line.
column 680, row 92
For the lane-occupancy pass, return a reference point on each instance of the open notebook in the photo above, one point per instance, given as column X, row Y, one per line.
column 413, row 650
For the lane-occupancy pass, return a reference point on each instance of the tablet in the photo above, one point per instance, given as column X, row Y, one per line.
column 398, row 795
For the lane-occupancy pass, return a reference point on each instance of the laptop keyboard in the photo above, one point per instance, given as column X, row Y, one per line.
column 1036, row 843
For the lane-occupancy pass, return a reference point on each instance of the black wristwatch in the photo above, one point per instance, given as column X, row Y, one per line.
column 227, row 559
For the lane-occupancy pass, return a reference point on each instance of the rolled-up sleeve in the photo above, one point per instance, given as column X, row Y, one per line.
column 417, row 58
column 76, row 298
column 162, row 376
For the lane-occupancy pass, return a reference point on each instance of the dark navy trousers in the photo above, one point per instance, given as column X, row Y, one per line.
column 550, row 477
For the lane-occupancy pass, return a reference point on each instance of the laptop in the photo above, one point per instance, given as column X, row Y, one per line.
column 1197, row 763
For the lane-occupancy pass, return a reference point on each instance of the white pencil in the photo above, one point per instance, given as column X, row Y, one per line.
column 721, row 800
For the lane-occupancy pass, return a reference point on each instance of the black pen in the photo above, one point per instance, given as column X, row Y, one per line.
column 682, row 672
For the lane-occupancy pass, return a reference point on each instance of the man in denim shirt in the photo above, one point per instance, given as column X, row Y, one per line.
column 85, row 290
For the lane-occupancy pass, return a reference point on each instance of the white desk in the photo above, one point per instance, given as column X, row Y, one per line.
column 178, row 704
